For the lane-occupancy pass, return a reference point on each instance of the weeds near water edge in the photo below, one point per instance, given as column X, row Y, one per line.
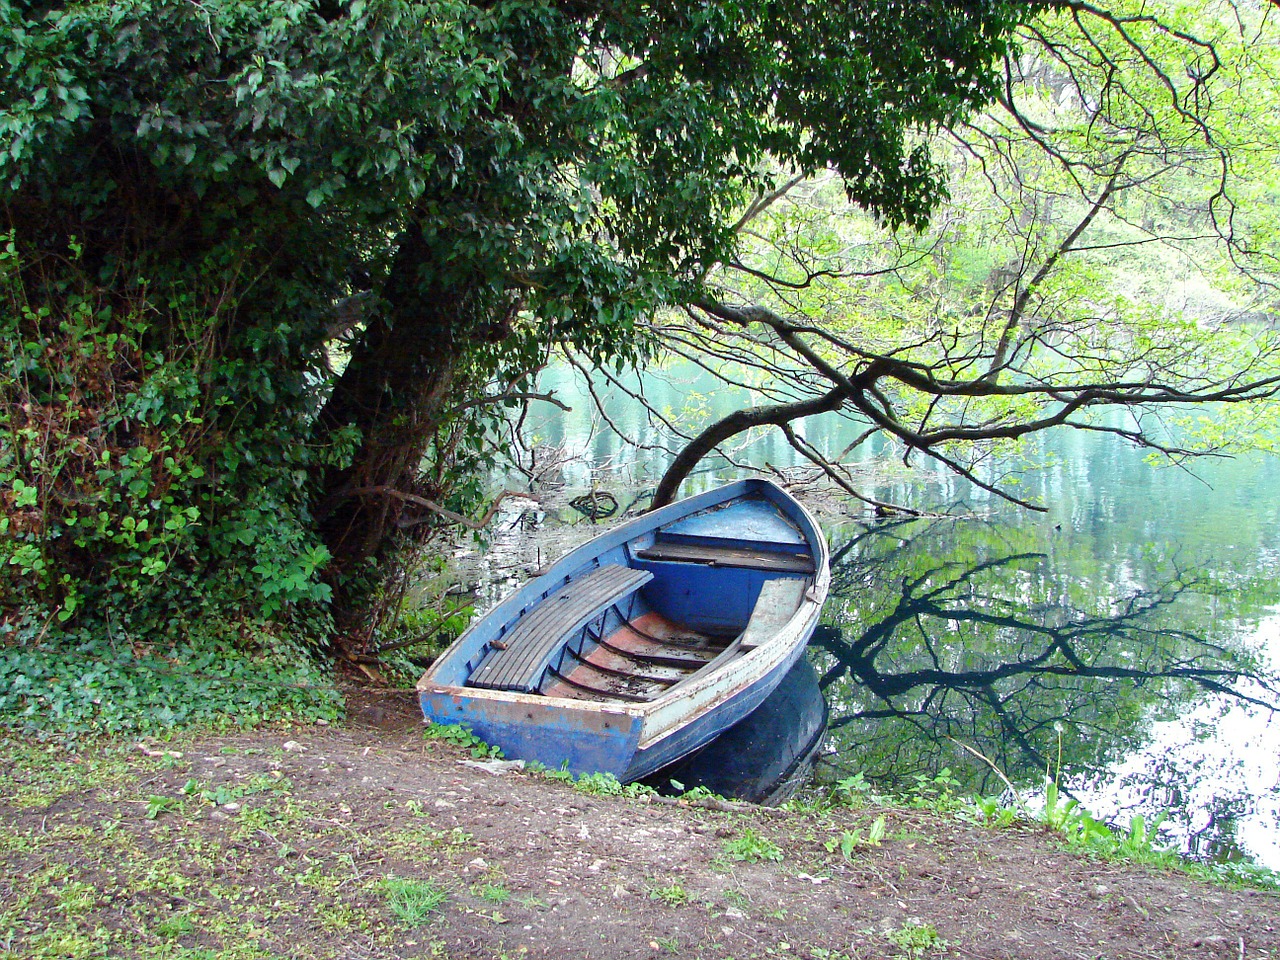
column 1138, row 842
column 599, row 784
column 851, row 840
column 464, row 737
column 853, row 791
column 937, row 793
column 595, row 784
column 752, row 847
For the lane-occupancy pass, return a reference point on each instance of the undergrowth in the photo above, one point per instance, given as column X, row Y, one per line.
column 462, row 736
column 97, row 687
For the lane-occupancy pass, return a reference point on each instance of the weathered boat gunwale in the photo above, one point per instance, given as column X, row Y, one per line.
column 776, row 561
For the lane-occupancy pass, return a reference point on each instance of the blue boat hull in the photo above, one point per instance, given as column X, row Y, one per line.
column 768, row 755
column 710, row 724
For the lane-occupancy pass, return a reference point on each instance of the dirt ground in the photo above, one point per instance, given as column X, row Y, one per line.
column 280, row 843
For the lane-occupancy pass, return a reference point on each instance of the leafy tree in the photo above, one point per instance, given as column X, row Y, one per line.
column 1107, row 245
column 270, row 267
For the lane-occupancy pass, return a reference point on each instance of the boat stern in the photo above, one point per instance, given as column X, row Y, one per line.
column 560, row 734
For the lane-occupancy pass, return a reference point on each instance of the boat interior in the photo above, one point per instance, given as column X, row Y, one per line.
column 663, row 609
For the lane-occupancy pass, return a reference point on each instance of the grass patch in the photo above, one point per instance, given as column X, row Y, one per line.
column 179, row 925
column 672, row 894
column 491, row 892
column 413, row 901
column 420, row 841
column 916, row 940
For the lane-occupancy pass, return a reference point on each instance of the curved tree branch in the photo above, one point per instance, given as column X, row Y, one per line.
column 735, row 423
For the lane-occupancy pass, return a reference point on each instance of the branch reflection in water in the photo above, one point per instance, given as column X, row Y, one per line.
column 948, row 632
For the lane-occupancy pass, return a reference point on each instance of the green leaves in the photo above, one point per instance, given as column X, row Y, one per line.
column 850, row 841
column 462, row 736
column 752, row 847
column 294, row 581
column 107, row 504
column 94, row 687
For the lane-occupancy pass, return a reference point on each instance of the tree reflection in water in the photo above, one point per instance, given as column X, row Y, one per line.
column 1043, row 657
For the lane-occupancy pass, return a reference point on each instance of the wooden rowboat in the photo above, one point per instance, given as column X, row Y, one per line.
column 645, row 643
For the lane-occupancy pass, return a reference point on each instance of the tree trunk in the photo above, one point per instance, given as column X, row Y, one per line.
column 393, row 391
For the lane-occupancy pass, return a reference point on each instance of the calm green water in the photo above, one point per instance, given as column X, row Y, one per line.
column 1128, row 641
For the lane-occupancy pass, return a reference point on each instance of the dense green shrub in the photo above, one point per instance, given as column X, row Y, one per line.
column 126, row 468
column 154, row 547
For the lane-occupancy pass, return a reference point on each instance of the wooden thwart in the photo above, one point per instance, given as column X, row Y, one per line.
column 743, row 557
column 535, row 638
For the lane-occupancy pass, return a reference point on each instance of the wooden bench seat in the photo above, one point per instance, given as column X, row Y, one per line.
column 735, row 556
column 520, row 656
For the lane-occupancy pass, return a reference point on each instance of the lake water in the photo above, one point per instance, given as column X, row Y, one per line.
column 1126, row 642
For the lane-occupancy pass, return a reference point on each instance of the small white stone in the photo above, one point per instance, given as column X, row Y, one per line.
column 812, row 879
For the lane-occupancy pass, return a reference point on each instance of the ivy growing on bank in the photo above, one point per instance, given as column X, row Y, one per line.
column 99, row 687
